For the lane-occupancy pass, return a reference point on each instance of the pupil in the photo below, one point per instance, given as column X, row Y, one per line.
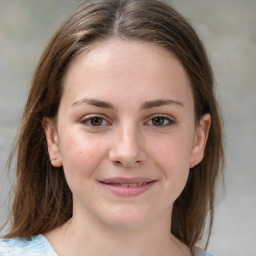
column 158, row 121
column 96, row 121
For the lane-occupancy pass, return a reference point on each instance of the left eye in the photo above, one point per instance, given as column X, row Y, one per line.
column 160, row 121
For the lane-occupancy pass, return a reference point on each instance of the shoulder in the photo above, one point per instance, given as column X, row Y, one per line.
column 36, row 246
column 199, row 252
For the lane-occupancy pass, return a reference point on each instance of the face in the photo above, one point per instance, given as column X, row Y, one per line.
column 125, row 133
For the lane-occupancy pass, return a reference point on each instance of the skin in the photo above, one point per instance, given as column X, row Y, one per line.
column 144, row 126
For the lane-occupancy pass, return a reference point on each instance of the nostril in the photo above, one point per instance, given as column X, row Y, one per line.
column 126, row 164
column 127, row 157
column 117, row 163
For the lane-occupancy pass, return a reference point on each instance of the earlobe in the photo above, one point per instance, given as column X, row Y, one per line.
column 200, row 140
column 52, row 141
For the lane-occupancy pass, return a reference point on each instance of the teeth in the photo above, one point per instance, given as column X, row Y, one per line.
column 132, row 185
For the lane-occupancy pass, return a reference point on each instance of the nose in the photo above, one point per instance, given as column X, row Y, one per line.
column 127, row 148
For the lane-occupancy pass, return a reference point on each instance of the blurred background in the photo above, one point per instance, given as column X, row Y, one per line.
column 228, row 29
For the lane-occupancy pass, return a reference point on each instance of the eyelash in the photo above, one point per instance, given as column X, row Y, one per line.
column 166, row 121
column 88, row 121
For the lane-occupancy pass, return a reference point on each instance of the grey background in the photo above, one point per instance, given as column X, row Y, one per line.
column 228, row 31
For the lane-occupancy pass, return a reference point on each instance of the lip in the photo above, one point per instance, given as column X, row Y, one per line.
column 120, row 185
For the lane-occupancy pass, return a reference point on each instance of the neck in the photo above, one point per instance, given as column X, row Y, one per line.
column 85, row 236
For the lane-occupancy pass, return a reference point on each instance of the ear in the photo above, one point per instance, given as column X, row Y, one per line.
column 52, row 141
column 200, row 139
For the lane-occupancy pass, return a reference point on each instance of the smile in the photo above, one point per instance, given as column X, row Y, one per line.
column 128, row 186
column 133, row 185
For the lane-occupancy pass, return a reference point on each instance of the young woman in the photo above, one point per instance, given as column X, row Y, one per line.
column 120, row 144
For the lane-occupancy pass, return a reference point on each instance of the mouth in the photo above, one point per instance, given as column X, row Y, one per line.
column 128, row 186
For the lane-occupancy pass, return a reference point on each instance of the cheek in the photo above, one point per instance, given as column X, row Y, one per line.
column 81, row 155
column 173, row 151
column 172, row 156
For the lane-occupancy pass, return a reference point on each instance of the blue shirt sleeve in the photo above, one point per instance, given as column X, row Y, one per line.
column 36, row 246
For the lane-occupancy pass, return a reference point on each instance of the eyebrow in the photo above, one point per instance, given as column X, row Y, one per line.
column 94, row 102
column 146, row 105
column 160, row 102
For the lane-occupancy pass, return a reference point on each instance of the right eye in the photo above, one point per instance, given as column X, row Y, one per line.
column 95, row 121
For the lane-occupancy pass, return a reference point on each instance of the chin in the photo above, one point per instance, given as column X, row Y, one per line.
column 127, row 219
column 126, row 224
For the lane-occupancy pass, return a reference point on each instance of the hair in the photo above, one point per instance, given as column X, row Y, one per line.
column 42, row 198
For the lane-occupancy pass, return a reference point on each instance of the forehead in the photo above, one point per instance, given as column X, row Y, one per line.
column 117, row 52
column 123, row 67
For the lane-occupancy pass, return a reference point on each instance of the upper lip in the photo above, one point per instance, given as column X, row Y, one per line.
column 123, row 180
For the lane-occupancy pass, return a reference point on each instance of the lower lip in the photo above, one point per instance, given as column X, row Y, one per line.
column 128, row 191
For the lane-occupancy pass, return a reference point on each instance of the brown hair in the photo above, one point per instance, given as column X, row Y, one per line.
column 43, row 199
